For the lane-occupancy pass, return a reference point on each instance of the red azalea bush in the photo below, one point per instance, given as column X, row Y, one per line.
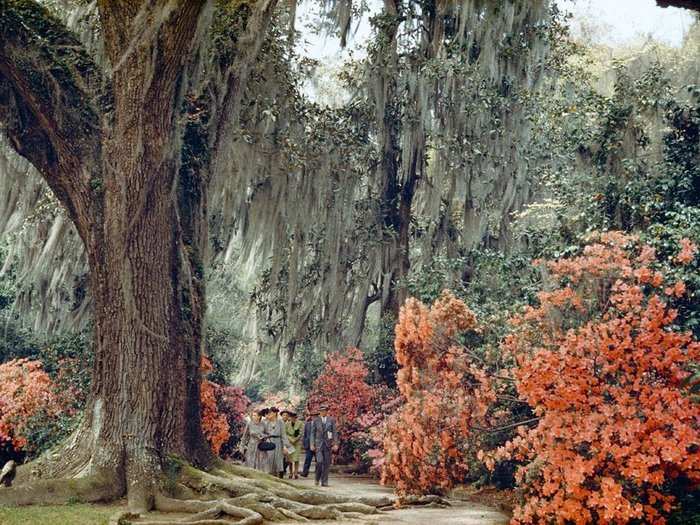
column 233, row 404
column 214, row 423
column 428, row 442
column 342, row 386
column 26, row 392
column 602, row 365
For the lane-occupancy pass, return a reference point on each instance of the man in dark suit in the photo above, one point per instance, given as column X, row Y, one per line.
column 306, row 441
column 324, row 439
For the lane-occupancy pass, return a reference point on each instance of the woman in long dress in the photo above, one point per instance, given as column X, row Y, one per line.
column 276, row 433
column 253, row 433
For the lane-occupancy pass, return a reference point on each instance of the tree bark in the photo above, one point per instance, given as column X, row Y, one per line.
column 114, row 161
column 395, row 261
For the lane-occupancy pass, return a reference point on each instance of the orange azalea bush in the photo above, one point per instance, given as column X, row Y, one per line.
column 428, row 442
column 601, row 365
column 26, row 392
column 214, row 423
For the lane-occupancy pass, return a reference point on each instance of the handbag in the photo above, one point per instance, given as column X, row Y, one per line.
column 266, row 446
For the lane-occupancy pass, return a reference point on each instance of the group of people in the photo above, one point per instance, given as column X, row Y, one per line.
column 273, row 442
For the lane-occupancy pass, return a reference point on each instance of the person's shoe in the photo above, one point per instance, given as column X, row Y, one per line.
column 325, row 485
column 304, row 475
column 316, row 483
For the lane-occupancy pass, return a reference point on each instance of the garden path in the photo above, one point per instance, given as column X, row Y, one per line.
column 460, row 513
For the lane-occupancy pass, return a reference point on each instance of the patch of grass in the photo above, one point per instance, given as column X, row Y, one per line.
column 75, row 514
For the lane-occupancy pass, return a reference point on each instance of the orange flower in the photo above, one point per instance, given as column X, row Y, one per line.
column 429, row 439
column 25, row 392
column 687, row 252
column 606, row 381
column 214, row 423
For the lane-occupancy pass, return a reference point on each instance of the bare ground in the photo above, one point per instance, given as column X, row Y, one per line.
column 460, row 513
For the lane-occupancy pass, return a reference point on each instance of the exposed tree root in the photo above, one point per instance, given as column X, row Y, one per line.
column 59, row 491
column 228, row 494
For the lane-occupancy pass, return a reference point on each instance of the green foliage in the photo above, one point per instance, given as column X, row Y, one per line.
column 45, row 431
column 306, row 367
column 16, row 340
column 221, row 343
column 427, row 282
column 66, row 357
column 688, row 509
column 380, row 358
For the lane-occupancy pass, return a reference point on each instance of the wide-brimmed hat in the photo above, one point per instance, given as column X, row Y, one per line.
column 263, row 412
column 273, row 409
column 290, row 412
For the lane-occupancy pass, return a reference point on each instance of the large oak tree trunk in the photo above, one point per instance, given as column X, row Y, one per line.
column 141, row 213
column 146, row 261
column 145, row 403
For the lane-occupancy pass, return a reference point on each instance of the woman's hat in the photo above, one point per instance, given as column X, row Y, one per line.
column 273, row 409
column 263, row 412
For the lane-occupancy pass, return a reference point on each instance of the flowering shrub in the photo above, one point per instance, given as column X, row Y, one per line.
column 214, row 423
column 26, row 393
column 342, row 386
column 280, row 400
column 232, row 403
column 602, row 366
column 368, row 440
column 428, row 442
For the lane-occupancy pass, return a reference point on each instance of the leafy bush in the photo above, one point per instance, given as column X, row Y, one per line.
column 306, row 367
column 16, row 341
column 233, row 404
column 602, row 363
column 367, row 441
column 342, row 386
column 67, row 358
column 380, row 358
column 29, row 400
column 214, row 423
column 428, row 442
column 222, row 346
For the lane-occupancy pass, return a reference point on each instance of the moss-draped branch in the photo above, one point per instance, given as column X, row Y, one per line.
column 51, row 102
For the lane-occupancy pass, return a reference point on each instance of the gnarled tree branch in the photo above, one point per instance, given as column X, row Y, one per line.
column 50, row 102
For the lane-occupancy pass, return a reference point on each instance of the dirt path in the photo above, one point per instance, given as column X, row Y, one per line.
column 460, row 513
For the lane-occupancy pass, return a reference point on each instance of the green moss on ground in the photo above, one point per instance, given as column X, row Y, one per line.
column 77, row 514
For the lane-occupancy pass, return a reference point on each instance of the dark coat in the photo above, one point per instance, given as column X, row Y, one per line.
column 306, row 440
column 323, row 434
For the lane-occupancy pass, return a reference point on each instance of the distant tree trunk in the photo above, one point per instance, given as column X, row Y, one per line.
column 114, row 160
column 394, row 209
column 400, row 181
